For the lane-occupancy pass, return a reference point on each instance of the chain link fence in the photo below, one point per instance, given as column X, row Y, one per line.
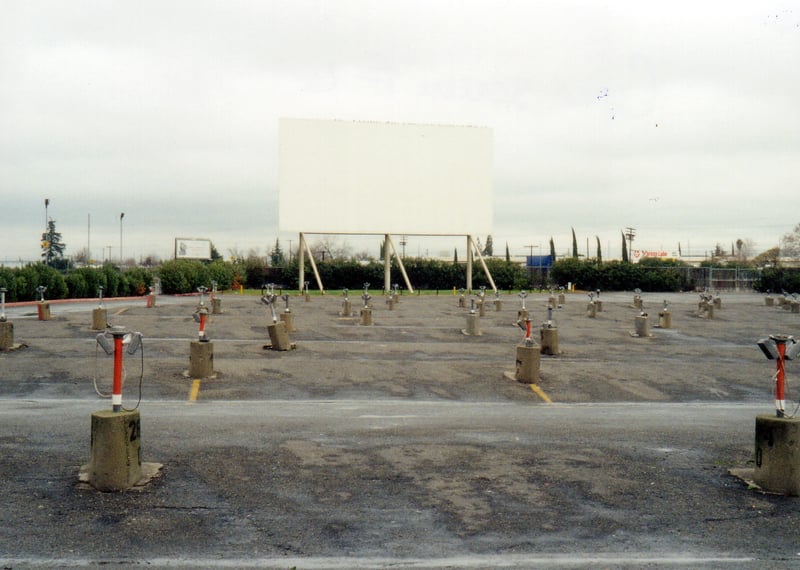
column 717, row 278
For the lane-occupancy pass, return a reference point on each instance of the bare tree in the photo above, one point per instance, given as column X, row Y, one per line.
column 363, row 255
column 81, row 256
column 330, row 247
column 236, row 253
column 790, row 243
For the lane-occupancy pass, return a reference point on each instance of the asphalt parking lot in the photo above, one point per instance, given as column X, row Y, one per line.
column 403, row 443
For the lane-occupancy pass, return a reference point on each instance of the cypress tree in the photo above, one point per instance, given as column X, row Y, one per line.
column 624, row 249
column 574, row 244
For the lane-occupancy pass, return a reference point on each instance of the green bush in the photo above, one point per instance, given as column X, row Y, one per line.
column 221, row 272
column 8, row 280
column 95, row 278
column 183, row 276
column 506, row 275
column 33, row 275
column 619, row 275
column 255, row 273
column 778, row 279
column 138, row 281
column 174, row 276
column 112, row 281
column 76, row 285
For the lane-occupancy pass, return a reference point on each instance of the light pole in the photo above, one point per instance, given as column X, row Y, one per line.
column 122, row 215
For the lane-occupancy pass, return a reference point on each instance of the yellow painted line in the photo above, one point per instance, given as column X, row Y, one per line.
column 194, row 391
column 122, row 310
column 539, row 392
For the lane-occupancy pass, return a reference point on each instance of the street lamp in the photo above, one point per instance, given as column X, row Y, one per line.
column 122, row 215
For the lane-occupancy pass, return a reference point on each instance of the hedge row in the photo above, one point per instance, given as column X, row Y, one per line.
column 426, row 274
column 184, row 276
column 22, row 283
column 619, row 276
column 778, row 279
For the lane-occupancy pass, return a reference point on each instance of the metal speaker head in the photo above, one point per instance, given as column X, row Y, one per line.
column 105, row 343
column 792, row 350
column 769, row 348
column 133, row 340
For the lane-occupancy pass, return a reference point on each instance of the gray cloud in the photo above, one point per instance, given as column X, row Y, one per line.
column 169, row 111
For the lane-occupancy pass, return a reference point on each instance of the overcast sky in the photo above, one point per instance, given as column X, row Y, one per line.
column 679, row 119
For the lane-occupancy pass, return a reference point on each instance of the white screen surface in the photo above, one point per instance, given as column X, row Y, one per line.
column 365, row 177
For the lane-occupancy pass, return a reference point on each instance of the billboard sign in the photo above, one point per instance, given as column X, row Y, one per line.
column 642, row 253
column 192, row 248
column 539, row 261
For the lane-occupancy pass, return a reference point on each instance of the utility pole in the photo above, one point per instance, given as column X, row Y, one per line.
column 530, row 260
column 630, row 233
column 122, row 215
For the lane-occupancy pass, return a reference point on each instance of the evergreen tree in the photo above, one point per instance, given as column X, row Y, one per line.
column 455, row 255
column 552, row 250
column 508, row 255
column 215, row 255
column 624, row 249
column 574, row 244
column 599, row 253
column 52, row 246
column 488, row 250
column 276, row 255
